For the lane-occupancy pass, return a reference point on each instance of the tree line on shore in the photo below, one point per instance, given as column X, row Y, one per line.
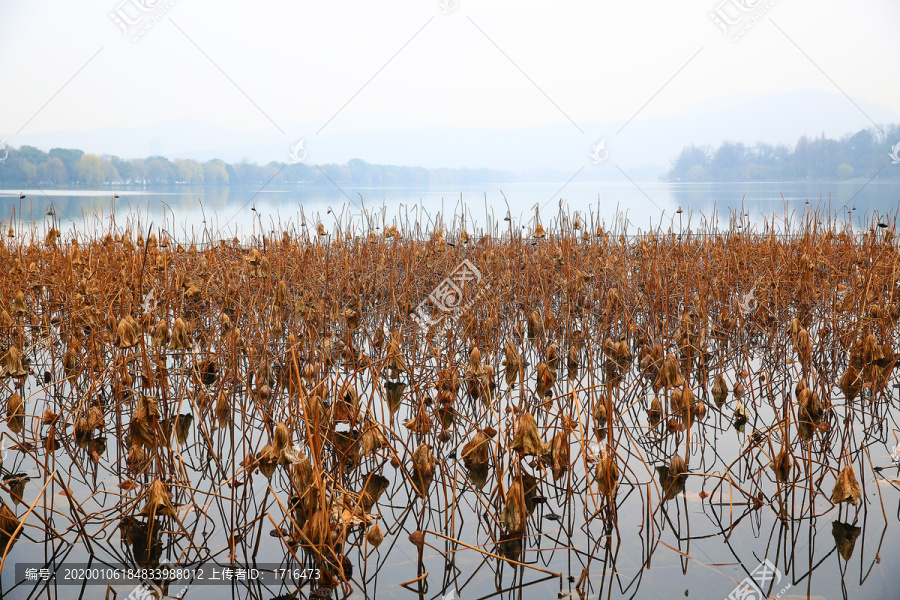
column 860, row 155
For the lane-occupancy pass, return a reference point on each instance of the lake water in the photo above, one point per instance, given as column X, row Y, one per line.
column 697, row 544
column 183, row 210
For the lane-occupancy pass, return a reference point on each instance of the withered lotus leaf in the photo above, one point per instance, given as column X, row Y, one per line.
column 670, row 374
column 476, row 452
column 846, row 488
column 180, row 339
column 607, row 474
column 850, row 383
column 161, row 334
column 282, row 447
column 372, row 440
column 19, row 307
column 394, row 394
column 127, row 332
column 545, row 380
column 15, row 407
column 782, row 466
column 374, row 536
column 421, row 423
column 655, row 412
column 514, row 513
column 599, row 414
column 526, row 440
column 12, row 363
column 512, row 363
column 845, row 538
column 223, row 409
column 136, row 458
column 559, row 452
column 8, row 525
column 423, row 461
column 158, row 502
column 282, row 294
column 374, row 487
column 144, row 422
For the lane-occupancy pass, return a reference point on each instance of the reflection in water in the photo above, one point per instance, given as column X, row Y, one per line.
column 187, row 212
column 611, row 420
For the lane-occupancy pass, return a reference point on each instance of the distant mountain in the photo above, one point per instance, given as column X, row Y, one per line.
column 644, row 148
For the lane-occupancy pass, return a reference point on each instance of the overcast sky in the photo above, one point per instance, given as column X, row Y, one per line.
column 341, row 66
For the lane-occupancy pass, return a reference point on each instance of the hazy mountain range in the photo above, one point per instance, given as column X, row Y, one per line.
column 643, row 147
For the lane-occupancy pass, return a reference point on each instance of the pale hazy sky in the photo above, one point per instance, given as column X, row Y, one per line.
column 501, row 64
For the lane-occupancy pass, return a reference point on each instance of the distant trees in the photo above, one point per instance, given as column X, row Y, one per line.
column 215, row 173
column 862, row 154
column 61, row 166
column 189, row 171
column 90, row 170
